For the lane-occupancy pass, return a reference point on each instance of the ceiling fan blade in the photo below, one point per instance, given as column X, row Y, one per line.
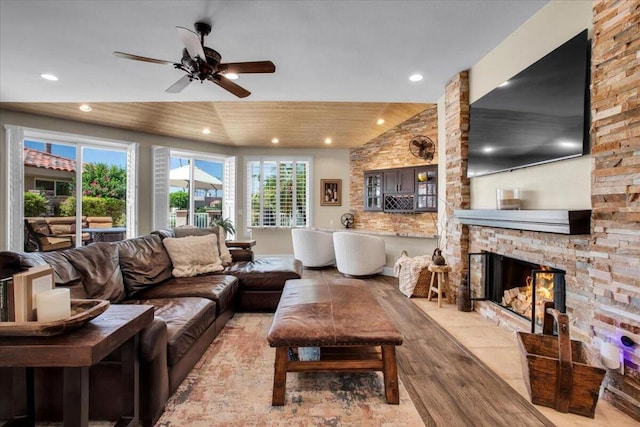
column 141, row 58
column 247, row 67
column 191, row 41
column 227, row 84
column 179, row 85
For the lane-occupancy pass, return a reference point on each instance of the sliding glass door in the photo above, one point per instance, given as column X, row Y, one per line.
column 62, row 204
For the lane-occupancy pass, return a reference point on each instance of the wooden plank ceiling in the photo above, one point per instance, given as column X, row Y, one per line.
column 295, row 124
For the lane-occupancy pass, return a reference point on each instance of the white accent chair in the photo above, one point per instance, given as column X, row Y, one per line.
column 313, row 248
column 359, row 254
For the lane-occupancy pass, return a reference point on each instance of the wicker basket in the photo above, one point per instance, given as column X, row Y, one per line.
column 556, row 370
column 422, row 285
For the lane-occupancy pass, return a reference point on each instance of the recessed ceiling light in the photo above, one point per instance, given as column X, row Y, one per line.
column 380, row 121
column 84, row 107
column 415, row 77
column 327, row 140
column 49, row 77
column 231, row 76
column 503, row 84
column 206, row 131
column 275, row 140
column 488, row 149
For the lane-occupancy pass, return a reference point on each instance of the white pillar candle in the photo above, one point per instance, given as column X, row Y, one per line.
column 54, row 304
column 610, row 355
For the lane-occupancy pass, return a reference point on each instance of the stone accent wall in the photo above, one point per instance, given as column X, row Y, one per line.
column 391, row 150
column 602, row 269
column 614, row 268
column 457, row 184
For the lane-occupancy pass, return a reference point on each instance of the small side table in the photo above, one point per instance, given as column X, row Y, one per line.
column 76, row 351
column 442, row 271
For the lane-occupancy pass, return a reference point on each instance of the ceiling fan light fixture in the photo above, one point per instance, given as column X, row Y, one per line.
column 275, row 140
column 85, row 107
column 206, row 131
column 49, row 77
column 415, row 77
column 231, row 76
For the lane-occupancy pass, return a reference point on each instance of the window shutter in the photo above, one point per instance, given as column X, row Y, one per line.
column 15, row 187
column 132, row 190
column 229, row 190
column 160, row 187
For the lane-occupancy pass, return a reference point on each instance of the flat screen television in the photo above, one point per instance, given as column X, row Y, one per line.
column 540, row 115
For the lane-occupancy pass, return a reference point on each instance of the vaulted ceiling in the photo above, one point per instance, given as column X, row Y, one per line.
column 339, row 65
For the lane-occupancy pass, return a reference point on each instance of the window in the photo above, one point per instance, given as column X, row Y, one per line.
column 278, row 192
column 192, row 188
column 46, row 161
column 55, row 188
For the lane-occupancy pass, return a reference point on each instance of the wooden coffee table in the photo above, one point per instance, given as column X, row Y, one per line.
column 76, row 351
column 342, row 318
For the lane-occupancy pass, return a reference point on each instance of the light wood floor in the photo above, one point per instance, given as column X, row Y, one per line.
column 447, row 383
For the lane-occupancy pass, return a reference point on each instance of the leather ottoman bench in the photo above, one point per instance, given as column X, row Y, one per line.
column 336, row 314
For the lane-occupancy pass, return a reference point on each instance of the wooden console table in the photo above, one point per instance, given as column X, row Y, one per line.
column 242, row 244
column 76, row 351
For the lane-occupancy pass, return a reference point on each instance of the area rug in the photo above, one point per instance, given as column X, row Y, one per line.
column 232, row 383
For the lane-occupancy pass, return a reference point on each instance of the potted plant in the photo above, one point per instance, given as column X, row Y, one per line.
column 225, row 223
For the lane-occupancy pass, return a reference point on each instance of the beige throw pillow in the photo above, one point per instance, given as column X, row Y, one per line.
column 193, row 255
column 225, row 255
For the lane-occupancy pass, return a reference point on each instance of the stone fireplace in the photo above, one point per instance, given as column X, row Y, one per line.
column 518, row 286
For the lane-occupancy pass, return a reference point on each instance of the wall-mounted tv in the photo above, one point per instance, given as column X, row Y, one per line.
column 540, row 115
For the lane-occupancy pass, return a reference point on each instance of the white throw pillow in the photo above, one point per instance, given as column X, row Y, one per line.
column 193, row 255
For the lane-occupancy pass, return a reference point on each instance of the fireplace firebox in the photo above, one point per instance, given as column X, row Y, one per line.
column 519, row 286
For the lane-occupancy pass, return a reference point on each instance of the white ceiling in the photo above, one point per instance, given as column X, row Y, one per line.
column 324, row 50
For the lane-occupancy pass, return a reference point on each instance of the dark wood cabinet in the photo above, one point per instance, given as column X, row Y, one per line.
column 399, row 181
column 402, row 190
column 426, row 196
column 372, row 191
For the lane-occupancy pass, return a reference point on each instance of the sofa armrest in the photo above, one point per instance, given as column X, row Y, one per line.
column 153, row 340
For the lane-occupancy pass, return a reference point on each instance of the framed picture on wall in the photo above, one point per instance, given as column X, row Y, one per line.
column 331, row 192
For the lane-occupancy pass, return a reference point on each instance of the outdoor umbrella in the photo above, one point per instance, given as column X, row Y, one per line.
column 179, row 177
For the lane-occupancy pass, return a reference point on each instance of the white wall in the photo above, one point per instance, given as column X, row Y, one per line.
column 327, row 164
column 560, row 185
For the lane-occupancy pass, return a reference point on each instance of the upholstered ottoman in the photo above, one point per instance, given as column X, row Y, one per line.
column 340, row 316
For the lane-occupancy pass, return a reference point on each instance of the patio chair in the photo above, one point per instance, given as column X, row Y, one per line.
column 38, row 238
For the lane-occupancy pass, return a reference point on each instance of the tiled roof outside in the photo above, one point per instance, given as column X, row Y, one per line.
column 40, row 159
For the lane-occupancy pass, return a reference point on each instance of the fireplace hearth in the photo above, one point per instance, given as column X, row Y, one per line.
column 519, row 286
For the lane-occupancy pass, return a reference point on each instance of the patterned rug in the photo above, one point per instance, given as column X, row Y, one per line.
column 231, row 386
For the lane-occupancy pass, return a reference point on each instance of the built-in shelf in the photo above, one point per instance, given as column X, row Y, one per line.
column 547, row 221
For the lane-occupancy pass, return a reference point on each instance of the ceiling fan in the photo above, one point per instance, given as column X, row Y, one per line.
column 203, row 63
column 422, row 147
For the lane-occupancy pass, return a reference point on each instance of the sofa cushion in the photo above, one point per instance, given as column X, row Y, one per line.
column 193, row 255
column 187, row 320
column 265, row 274
column 100, row 270
column 144, row 263
column 219, row 288
column 223, row 250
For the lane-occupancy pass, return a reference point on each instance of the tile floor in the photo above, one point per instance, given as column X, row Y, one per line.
column 497, row 348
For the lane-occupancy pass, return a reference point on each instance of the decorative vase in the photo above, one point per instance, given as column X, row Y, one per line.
column 437, row 257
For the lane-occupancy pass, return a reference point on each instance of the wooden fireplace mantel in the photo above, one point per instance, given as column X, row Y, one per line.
column 547, row 221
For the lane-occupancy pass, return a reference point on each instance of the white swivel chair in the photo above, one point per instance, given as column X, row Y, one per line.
column 359, row 254
column 313, row 248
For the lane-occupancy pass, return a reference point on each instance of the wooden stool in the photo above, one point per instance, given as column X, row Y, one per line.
column 443, row 281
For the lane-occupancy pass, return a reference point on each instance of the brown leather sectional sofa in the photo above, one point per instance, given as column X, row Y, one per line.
column 189, row 313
